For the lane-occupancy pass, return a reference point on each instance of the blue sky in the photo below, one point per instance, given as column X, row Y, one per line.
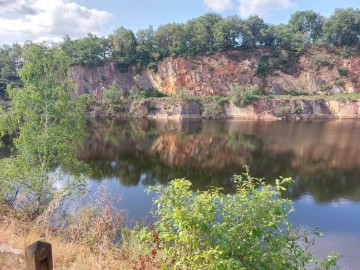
column 38, row 20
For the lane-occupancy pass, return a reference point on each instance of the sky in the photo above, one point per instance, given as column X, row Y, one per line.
column 51, row 20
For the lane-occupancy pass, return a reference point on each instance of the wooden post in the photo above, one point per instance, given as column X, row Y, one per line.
column 38, row 256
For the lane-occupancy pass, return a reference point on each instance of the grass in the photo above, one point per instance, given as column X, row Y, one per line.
column 85, row 243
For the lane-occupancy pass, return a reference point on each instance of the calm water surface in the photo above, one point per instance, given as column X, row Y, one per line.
column 323, row 157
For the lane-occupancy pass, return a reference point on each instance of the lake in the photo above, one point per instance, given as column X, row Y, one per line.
column 323, row 158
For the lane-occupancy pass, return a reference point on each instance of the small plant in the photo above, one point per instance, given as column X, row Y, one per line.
column 140, row 93
column 298, row 110
column 103, row 78
column 320, row 60
column 112, row 95
column 340, row 83
column 263, row 67
column 213, row 106
column 297, row 92
column 151, row 105
column 242, row 95
column 281, row 110
column 153, row 66
column 343, row 71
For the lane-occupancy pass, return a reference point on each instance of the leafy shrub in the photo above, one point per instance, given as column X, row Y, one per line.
column 281, row 110
column 153, row 66
column 297, row 92
column 298, row 110
column 140, row 93
column 112, row 95
column 320, row 60
column 3, row 105
column 263, row 67
column 340, row 83
column 343, row 71
column 245, row 230
column 213, row 106
column 242, row 95
column 151, row 105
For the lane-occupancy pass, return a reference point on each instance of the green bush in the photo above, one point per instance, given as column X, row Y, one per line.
column 320, row 60
column 242, row 95
column 153, row 66
column 297, row 92
column 245, row 230
column 213, row 106
column 281, row 110
column 263, row 67
column 112, row 95
column 343, row 71
column 140, row 93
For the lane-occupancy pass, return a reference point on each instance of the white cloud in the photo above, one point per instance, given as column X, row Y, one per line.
column 47, row 20
column 247, row 8
column 262, row 7
column 218, row 5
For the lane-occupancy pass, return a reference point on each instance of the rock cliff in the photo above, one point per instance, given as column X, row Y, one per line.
column 275, row 71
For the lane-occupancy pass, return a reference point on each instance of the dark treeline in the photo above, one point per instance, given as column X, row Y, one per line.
column 206, row 34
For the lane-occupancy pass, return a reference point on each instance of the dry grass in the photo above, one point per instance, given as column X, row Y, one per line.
column 86, row 242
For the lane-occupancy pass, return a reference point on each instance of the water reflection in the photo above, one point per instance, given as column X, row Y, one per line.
column 322, row 156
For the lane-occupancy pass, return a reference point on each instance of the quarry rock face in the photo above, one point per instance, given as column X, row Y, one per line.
column 313, row 72
column 214, row 74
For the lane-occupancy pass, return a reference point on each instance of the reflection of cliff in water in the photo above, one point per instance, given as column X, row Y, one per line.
column 322, row 157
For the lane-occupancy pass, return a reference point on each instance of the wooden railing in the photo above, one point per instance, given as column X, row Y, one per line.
column 37, row 256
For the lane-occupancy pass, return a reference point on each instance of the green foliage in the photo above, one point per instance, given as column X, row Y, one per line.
column 140, row 93
column 242, row 95
column 343, row 71
column 298, row 110
column 153, row 66
column 112, row 95
column 343, row 27
column 123, row 42
column 226, row 34
column 47, row 124
column 282, row 110
column 245, row 230
column 297, row 92
column 320, row 60
column 309, row 23
column 263, row 67
column 255, row 25
column 145, row 45
column 213, row 106
column 90, row 50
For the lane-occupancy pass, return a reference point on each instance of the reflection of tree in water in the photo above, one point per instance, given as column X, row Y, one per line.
column 210, row 153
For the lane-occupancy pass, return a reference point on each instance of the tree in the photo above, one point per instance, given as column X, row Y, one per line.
column 199, row 33
column 10, row 62
column 283, row 35
column 255, row 25
column 145, row 45
column 309, row 23
column 227, row 33
column 123, row 44
column 343, row 27
column 90, row 50
column 170, row 40
column 47, row 124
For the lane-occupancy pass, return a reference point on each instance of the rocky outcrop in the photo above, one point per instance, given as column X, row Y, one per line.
column 265, row 109
column 313, row 72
